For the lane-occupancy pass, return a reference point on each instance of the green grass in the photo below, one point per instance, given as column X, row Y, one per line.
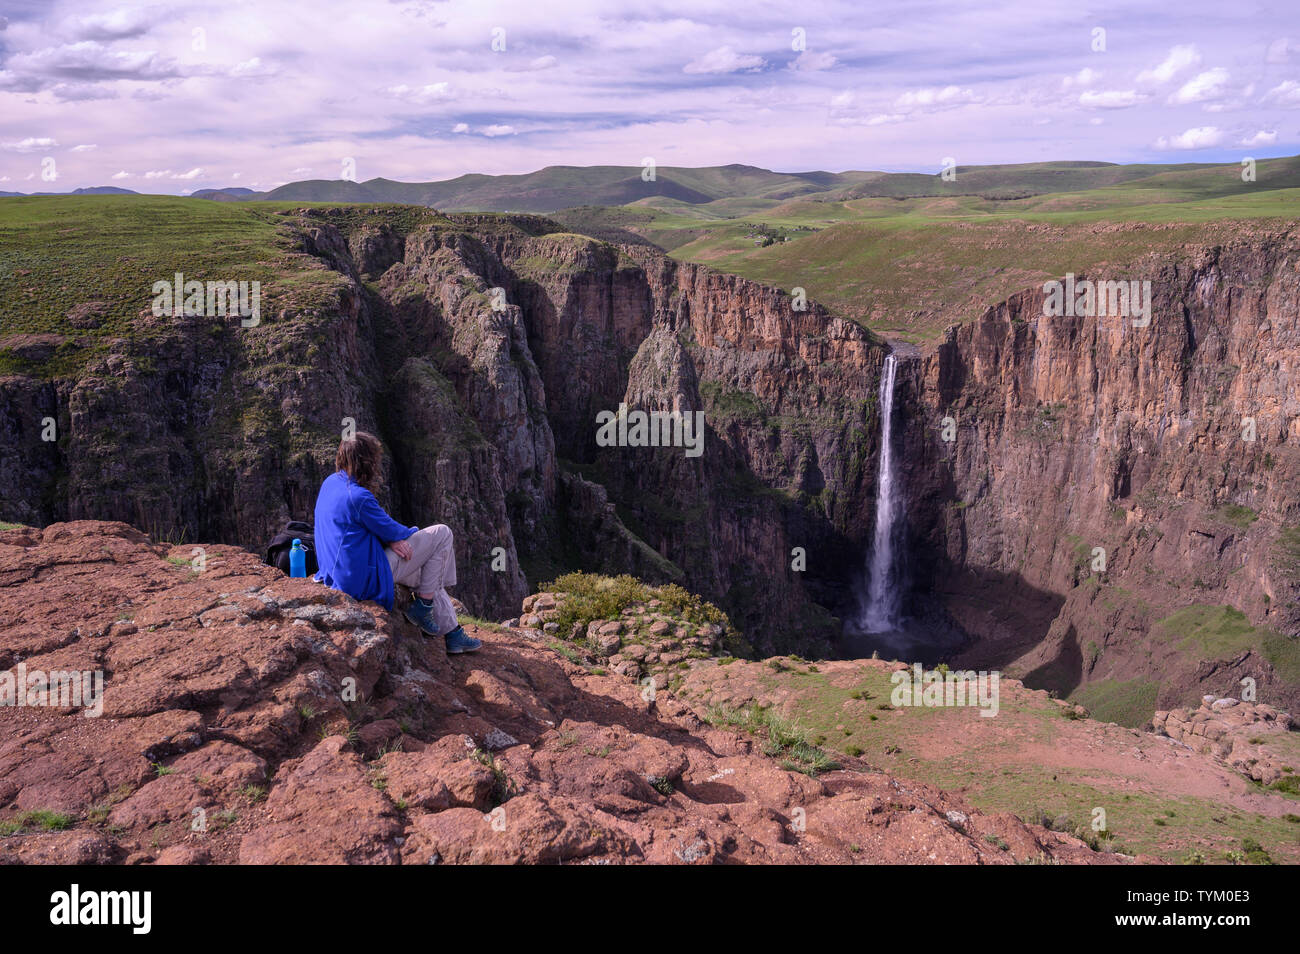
column 80, row 270
column 593, row 596
column 1237, row 515
column 786, row 740
column 483, row 624
column 1130, row 703
column 1219, row 632
column 42, row 819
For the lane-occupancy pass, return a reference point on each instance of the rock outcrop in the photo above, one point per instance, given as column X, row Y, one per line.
column 247, row 717
column 1236, row 733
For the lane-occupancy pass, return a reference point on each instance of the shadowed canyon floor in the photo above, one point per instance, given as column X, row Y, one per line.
column 225, row 737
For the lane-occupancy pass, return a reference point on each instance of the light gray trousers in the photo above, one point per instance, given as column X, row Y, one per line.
column 431, row 569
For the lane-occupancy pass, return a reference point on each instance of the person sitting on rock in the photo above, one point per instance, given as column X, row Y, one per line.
column 363, row 552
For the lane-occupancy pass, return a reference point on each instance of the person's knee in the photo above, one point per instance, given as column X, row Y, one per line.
column 441, row 534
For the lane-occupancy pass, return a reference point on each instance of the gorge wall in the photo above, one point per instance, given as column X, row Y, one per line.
column 1082, row 433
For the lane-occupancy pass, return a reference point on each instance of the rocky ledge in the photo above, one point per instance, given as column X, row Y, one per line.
column 247, row 717
column 1242, row 735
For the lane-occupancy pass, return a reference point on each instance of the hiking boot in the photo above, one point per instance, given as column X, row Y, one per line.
column 460, row 642
column 420, row 613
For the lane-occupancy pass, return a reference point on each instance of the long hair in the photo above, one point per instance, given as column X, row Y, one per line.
column 362, row 457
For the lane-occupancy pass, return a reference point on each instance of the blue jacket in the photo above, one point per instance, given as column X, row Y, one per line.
column 351, row 531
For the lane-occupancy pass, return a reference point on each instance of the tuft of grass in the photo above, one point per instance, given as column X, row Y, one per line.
column 1236, row 515
column 786, row 740
column 1254, row 852
column 42, row 818
column 481, row 623
column 1290, row 784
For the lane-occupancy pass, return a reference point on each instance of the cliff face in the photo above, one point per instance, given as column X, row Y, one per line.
column 1082, row 433
column 481, row 351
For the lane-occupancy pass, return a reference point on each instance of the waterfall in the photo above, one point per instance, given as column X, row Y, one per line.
column 883, row 598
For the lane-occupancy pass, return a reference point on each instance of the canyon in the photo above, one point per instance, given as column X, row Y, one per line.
column 1071, row 434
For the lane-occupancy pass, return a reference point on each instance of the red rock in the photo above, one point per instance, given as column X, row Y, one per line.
column 219, row 674
column 529, row 829
column 442, row 776
column 323, row 809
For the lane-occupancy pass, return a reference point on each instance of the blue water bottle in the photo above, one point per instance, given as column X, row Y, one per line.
column 298, row 559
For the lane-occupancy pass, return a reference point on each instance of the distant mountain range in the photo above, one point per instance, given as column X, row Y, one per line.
column 90, row 190
column 667, row 187
column 564, row 187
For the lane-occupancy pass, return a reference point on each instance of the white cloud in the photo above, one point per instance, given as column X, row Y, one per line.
column 724, row 60
column 809, row 62
column 252, row 67
column 89, row 61
column 542, row 63
column 1200, row 137
column 1286, row 93
column 300, row 171
column 168, row 174
column 430, row 93
column 1085, row 77
column 1261, row 138
column 841, row 100
column 460, row 128
column 938, row 97
column 1109, row 99
column 1179, row 59
column 498, row 129
column 122, row 175
column 118, row 25
column 1204, row 86
column 29, row 145
column 85, row 148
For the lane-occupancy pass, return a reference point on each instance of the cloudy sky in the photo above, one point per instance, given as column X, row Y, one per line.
column 173, row 97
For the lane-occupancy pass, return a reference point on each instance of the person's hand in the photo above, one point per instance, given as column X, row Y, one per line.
column 402, row 549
